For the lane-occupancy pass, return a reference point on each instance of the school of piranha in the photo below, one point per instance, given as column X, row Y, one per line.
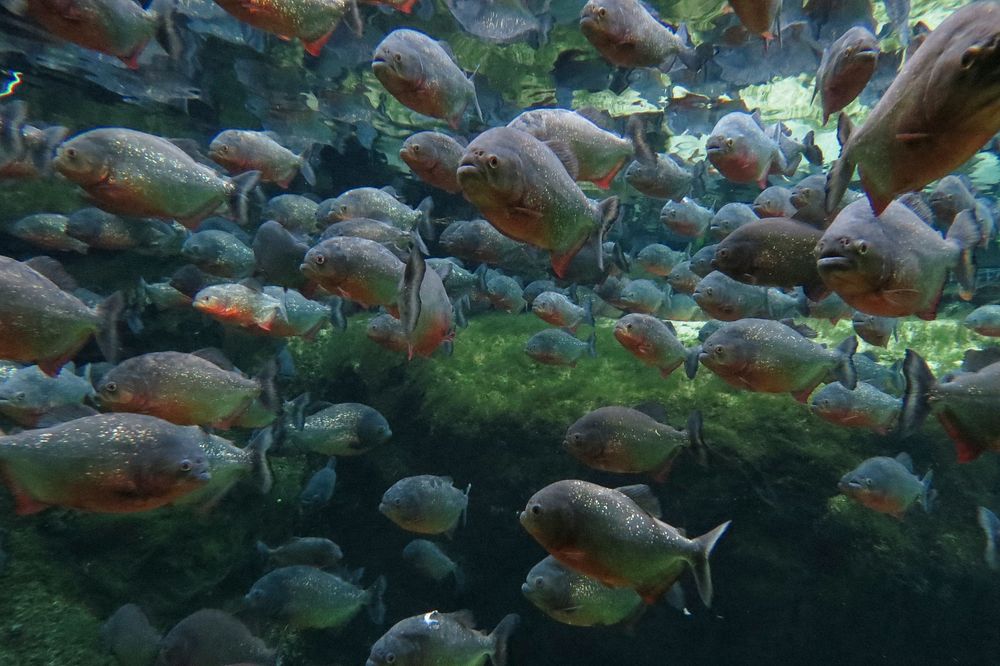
column 96, row 418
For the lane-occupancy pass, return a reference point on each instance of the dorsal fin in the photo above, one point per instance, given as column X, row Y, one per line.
column 643, row 496
column 215, row 356
column 653, row 409
column 905, row 460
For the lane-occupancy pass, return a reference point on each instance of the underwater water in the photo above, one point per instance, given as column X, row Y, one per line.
column 210, row 353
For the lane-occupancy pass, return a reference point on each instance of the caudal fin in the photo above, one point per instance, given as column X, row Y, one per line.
column 845, row 372
column 691, row 360
column 376, row 602
column 258, row 447
column 696, row 439
column 592, row 345
column 991, row 527
column 812, row 152
column 109, row 313
column 927, row 494
column 919, row 383
column 12, row 118
column 702, row 572
column 966, row 232
column 239, row 201
column 842, row 169
column 500, row 636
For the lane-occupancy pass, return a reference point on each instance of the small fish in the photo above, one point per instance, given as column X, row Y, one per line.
column 422, row 74
column 303, row 317
column 479, row 242
column 40, row 323
column 424, row 307
column 950, row 196
column 888, row 485
column 392, row 237
column 554, row 346
column 963, row 403
column 306, row 551
column 682, row 279
column 627, row 35
column 387, row 331
column 129, row 636
column 292, row 211
column 578, row 600
column 556, row 309
column 429, row 560
column 873, row 329
column 597, row 154
column 210, row 636
column 984, row 320
column 686, row 218
column 729, row 218
column 809, row 199
column 310, row 21
column 374, row 204
column 133, row 463
column 700, row 262
column 604, row 533
column 642, row 296
column 47, row 231
column 950, row 82
column 886, row 378
column 726, row 299
column 771, row 357
column 356, row 269
column 278, row 254
column 775, row 201
column 219, row 253
column 425, row 504
column 239, row 305
column 442, row 638
column 745, row 152
column 658, row 259
column 773, row 252
column 654, row 343
column 503, row 291
column 523, row 189
column 894, row 265
column 240, row 151
column 630, row 441
column 661, row 176
column 28, row 393
column 346, row 429
column 864, row 407
column 434, row 157
column 308, row 598
column 319, row 488
column 846, row 67
column 105, row 231
column 991, row 528
column 132, row 173
column 502, row 22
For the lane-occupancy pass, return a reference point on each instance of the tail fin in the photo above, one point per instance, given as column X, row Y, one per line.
column 696, row 439
column 109, row 311
column 609, row 210
column 588, row 312
column 702, row 572
column 845, row 372
column 919, row 383
column 812, row 152
column 966, row 232
column 42, row 145
column 258, row 447
column 376, row 601
column 927, row 494
column 424, row 226
column 13, row 115
column 842, row 169
column 592, row 345
column 337, row 317
column 413, row 278
column 640, row 147
column 263, row 552
column 691, row 361
column 465, row 509
column 238, row 199
column 991, row 527
column 305, row 167
column 499, row 637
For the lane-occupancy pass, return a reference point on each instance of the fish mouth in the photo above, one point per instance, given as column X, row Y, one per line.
column 523, row 517
column 835, row 263
column 204, row 477
column 525, row 589
column 467, row 168
column 383, row 508
column 867, row 53
column 846, row 486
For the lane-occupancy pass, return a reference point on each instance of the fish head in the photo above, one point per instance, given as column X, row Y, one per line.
column 267, row 596
column 395, row 648
column 633, row 331
column 549, row 516
column 605, row 22
column 387, row 331
column 400, row 504
column 712, row 293
column 398, row 60
column 734, row 257
column 337, row 209
column 586, row 440
column 858, row 47
column 419, row 151
column 862, row 485
column 123, row 391
column 373, row 429
column 546, row 585
column 850, row 263
column 199, row 247
column 720, row 146
column 324, row 262
column 83, row 161
column 725, row 354
column 808, row 192
column 640, row 173
column 949, row 197
column 492, row 166
column 831, row 401
column 226, row 149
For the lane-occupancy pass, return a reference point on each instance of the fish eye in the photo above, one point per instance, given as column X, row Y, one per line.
column 186, row 466
column 969, row 57
column 319, row 260
column 224, row 148
column 397, row 502
column 708, row 291
column 415, row 148
column 718, row 350
column 602, row 12
column 390, row 658
column 71, row 152
column 536, row 509
column 398, row 57
column 729, row 143
column 862, row 248
column 539, row 582
column 19, row 397
column 493, row 162
column 628, row 327
column 722, row 253
column 869, row 483
column 110, row 387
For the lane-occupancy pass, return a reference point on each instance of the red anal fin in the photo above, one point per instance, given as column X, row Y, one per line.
column 24, row 504
column 661, row 474
column 965, row 449
column 407, row 7
column 314, row 47
column 605, row 183
column 132, row 60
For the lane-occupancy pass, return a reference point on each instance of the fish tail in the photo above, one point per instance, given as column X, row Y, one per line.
column 305, row 165
column 699, row 179
column 337, row 317
column 691, row 360
column 842, row 170
column 696, row 439
column 13, row 115
column 592, row 345
column 501, row 635
column 354, row 14
column 916, row 399
column 928, row 495
column 991, row 527
column 238, row 200
column 609, row 211
column 376, row 600
column 812, row 152
column 268, row 392
column 702, row 573
column 109, row 312
column 460, row 307
column 293, row 414
column 966, row 232
column 845, row 372
column 424, row 226
column 40, row 152
column 636, row 131
column 588, row 312
column 465, row 509
column 413, row 278
column 258, row 447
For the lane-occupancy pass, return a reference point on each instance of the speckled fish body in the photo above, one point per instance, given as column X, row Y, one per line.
column 651, row 341
column 864, row 407
column 311, row 21
column 347, row 429
column 578, row 600
column 245, row 150
column 846, row 67
column 434, row 158
column 627, row 35
column 357, row 269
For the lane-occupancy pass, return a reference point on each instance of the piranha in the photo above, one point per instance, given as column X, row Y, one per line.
column 240, row 305
column 45, row 230
column 744, row 151
column 608, row 535
column 423, row 75
column 627, row 35
column 40, row 323
column 658, row 259
column 319, row 488
column 965, row 404
column 654, row 342
column 310, row 21
column 346, row 429
column 662, row 176
column 578, row 600
column 28, row 393
column 845, row 69
column 309, row 598
column 219, row 253
column 429, row 560
column 292, row 211
column 942, row 107
column 357, row 269
column 888, row 485
column 244, row 150
column 129, row 637
column 873, row 329
column 434, row 157
column 772, row 357
column 424, row 307
column 554, row 346
column 893, row 264
column 726, row 299
column 211, row 636
column 984, row 320
column 729, row 218
column 426, row 504
column 108, row 463
column 686, row 218
column 950, row 196
column 760, row 17
column 597, row 154
column 864, row 407
column 448, row 639
column 556, row 309
column 133, row 173
column 381, row 204
column 632, row 441
column 775, row 201
column 307, row 551
column 524, row 190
